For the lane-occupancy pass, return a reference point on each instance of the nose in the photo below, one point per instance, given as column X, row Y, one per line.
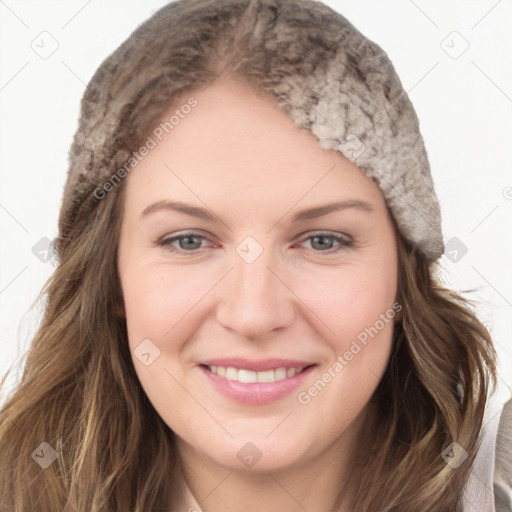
column 255, row 299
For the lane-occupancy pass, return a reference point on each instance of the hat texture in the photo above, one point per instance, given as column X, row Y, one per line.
column 328, row 77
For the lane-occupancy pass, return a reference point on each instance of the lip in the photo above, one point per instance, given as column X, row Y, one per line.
column 256, row 393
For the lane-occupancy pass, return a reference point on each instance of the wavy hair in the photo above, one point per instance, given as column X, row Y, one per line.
column 79, row 391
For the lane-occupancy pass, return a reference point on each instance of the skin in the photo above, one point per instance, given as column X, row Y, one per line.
column 242, row 158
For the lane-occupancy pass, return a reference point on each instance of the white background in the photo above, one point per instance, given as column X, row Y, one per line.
column 464, row 105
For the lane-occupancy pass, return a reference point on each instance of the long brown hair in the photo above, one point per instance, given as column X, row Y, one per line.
column 79, row 391
column 433, row 394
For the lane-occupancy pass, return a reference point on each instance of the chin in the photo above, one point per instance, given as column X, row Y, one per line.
column 258, row 456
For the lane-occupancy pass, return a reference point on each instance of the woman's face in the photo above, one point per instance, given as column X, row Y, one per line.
column 259, row 274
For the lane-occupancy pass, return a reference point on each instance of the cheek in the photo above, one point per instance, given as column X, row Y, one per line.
column 157, row 300
column 351, row 300
column 161, row 306
column 357, row 309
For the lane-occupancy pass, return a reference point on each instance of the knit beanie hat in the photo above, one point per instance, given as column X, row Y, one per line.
column 327, row 76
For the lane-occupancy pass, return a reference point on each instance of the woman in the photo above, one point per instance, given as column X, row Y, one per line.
column 245, row 314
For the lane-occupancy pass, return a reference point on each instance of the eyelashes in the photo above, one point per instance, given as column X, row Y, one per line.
column 191, row 242
column 320, row 238
column 168, row 242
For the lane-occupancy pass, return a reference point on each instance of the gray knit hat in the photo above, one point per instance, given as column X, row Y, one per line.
column 328, row 77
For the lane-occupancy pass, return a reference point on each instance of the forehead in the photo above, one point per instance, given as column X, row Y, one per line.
column 242, row 145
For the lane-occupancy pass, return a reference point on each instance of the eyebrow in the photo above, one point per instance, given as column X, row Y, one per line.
column 177, row 206
column 319, row 211
column 308, row 213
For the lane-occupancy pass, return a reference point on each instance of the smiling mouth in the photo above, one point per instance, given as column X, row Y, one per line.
column 249, row 376
column 251, row 382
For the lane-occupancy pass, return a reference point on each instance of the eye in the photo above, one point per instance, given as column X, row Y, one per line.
column 327, row 242
column 186, row 242
column 191, row 242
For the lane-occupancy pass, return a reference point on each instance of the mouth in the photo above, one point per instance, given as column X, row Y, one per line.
column 256, row 383
column 250, row 376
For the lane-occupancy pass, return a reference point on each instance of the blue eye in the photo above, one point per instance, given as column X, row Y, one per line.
column 187, row 242
column 326, row 242
column 192, row 242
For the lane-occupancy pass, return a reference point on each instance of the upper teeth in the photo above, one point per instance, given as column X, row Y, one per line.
column 248, row 376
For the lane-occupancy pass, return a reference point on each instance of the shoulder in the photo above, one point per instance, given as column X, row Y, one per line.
column 503, row 462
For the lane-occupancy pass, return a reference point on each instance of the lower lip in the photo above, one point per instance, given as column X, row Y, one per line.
column 256, row 393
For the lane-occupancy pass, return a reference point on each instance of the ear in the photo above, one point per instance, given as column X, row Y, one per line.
column 120, row 311
column 399, row 313
column 118, row 300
